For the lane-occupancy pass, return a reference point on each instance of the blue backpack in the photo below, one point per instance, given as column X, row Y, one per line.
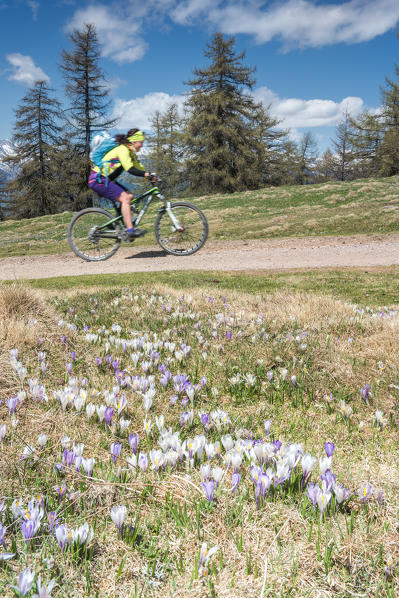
column 101, row 145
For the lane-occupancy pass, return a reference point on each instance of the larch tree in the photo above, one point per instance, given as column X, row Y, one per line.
column 344, row 154
column 88, row 93
column 220, row 135
column 34, row 191
column 167, row 149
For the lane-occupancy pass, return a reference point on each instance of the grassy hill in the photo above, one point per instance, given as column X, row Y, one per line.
column 367, row 206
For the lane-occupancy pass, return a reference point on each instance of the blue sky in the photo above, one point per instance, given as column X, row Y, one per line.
column 315, row 59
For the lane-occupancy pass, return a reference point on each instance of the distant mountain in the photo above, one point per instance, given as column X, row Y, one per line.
column 6, row 149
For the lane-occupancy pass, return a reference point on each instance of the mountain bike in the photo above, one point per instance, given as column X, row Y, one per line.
column 180, row 227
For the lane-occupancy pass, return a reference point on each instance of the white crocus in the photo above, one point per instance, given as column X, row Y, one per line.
column 118, row 515
column 42, row 439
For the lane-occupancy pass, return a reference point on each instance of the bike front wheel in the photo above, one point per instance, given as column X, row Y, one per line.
column 185, row 236
column 91, row 238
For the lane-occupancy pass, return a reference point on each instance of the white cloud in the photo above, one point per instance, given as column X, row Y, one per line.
column 25, row 70
column 139, row 111
column 295, row 22
column 35, row 8
column 118, row 31
column 293, row 112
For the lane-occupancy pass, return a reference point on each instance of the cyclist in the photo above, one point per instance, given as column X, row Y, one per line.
column 120, row 159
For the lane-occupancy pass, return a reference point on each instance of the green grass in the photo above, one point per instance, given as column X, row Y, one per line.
column 365, row 286
column 314, row 346
column 368, row 206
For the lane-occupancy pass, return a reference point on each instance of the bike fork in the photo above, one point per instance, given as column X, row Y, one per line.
column 173, row 218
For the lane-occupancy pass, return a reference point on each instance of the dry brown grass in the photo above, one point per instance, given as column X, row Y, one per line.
column 281, row 542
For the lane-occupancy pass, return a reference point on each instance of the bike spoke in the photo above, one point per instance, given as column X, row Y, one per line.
column 90, row 238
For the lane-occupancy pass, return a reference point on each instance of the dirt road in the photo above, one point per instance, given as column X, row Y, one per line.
column 271, row 254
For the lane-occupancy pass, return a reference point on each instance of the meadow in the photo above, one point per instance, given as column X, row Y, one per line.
column 368, row 206
column 214, row 436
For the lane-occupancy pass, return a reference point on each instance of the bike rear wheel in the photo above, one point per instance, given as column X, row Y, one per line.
column 185, row 240
column 89, row 240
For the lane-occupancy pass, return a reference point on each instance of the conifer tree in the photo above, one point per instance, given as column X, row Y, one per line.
column 220, row 132
column 88, row 93
column 166, row 144
column 366, row 138
column 307, row 154
column 344, row 154
column 34, row 190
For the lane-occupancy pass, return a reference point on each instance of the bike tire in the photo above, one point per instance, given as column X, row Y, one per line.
column 85, row 242
column 185, row 242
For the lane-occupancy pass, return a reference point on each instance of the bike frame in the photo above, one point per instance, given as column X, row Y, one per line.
column 146, row 198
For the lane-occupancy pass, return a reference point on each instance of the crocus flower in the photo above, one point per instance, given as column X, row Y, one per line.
column 62, row 536
column 308, row 462
column 25, row 582
column 108, row 413
column 365, row 492
column 116, row 448
column 325, row 463
column 2, row 534
column 143, row 461
column 12, row 404
column 205, row 555
column 88, row 466
column 341, row 493
column 323, row 498
column 208, row 488
column 268, row 425
column 118, row 515
column 329, row 448
column 235, row 480
column 329, row 479
column 52, row 520
column 5, row 556
column 312, row 491
column 134, row 442
column 42, row 439
column 44, row 591
column 365, row 393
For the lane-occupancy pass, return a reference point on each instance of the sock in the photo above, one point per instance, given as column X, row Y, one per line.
column 130, row 230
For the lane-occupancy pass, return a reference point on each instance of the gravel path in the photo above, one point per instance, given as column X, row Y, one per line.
column 270, row 254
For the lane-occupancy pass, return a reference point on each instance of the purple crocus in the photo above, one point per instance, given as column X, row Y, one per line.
column 52, row 520
column 208, row 487
column 98, row 361
column 2, row 534
column 134, row 442
column 28, row 529
column 73, row 356
column 235, row 480
column 108, row 413
column 12, row 404
column 329, row 448
column 69, row 368
column 184, row 417
column 268, row 425
column 25, row 582
column 329, row 478
column 116, row 448
column 312, row 491
column 205, row 421
column 228, row 335
column 365, row 392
